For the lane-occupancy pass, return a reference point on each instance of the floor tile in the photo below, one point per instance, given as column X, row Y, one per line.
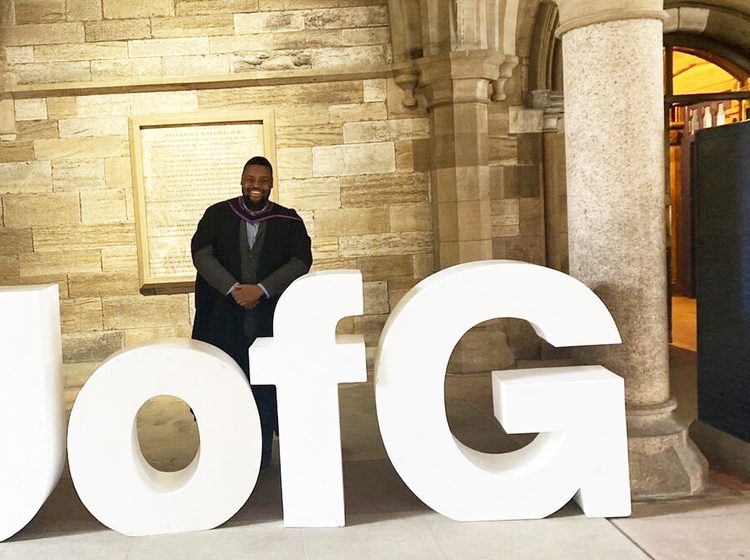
column 707, row 529
column 264, row 504
column 360, row 435
column 374, row 537
column 374, row 486
column 262, row 541
column 79, row 546
column 568, row 535
column 684, row 323
column 62, row 513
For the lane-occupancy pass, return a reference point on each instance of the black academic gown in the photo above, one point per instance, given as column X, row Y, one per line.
column 219, row 320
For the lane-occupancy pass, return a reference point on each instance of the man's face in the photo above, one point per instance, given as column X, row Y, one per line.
column 257, row 182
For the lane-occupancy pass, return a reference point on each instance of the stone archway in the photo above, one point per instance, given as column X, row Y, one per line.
column 453, row 57
column 723, row 25
column 718, row 27
column 718, row 31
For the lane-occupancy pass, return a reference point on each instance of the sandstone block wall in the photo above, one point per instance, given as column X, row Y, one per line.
column 97, row 40
column 516, row 163
column 350, row 157
column 516, row 204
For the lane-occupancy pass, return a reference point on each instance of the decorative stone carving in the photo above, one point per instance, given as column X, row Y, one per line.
column 425, row 31
column 550, row 102
column 493, row 67
column 506, row 70
column 406, row 78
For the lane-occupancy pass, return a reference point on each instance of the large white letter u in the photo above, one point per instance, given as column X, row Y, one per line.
column 32, row 414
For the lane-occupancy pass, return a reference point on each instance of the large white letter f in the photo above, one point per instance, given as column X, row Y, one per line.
column 306, row 361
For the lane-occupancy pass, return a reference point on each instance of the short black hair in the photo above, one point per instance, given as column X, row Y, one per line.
column 257, row 160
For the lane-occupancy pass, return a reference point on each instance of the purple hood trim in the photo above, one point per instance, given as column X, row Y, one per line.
column 272, row 211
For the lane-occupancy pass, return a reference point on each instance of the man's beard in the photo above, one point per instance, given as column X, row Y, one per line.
column 253, row 205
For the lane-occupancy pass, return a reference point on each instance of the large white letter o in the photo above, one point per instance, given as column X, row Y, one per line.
column 113, row 479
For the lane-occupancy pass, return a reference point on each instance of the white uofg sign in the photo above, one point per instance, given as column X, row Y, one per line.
column 579, row 413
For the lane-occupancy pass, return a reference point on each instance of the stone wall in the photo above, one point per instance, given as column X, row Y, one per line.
column 97, row 40
column 349, row 156
column 516, row 160
column 517, row 201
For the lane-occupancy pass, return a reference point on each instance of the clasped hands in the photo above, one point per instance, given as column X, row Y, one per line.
column 248, row 295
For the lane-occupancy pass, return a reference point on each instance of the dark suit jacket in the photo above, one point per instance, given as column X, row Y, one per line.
column 219, row 320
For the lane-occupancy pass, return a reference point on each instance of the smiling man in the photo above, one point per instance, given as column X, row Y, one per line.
column 247, row 251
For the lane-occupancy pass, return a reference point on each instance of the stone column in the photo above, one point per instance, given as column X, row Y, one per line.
column 457, row 89
column 614, row 132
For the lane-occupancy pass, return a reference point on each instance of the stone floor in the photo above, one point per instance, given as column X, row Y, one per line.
column 684, row 328
column 383, row 518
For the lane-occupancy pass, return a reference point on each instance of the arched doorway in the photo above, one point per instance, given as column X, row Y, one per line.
column 702, row 90
column 717, row 33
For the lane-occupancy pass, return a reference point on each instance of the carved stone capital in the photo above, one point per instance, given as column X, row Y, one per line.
column 457, row 77
column 550, row 102
column 407, row 77
column 460, row 65
column 506, row 71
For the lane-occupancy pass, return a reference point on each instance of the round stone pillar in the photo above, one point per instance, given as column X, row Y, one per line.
column 614, row 135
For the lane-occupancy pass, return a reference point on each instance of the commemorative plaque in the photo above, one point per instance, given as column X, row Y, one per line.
column 181, row 165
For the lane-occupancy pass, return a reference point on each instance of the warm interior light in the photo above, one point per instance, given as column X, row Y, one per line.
column 693, row 74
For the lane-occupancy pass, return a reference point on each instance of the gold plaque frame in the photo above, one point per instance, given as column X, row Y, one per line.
column 155, row 279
